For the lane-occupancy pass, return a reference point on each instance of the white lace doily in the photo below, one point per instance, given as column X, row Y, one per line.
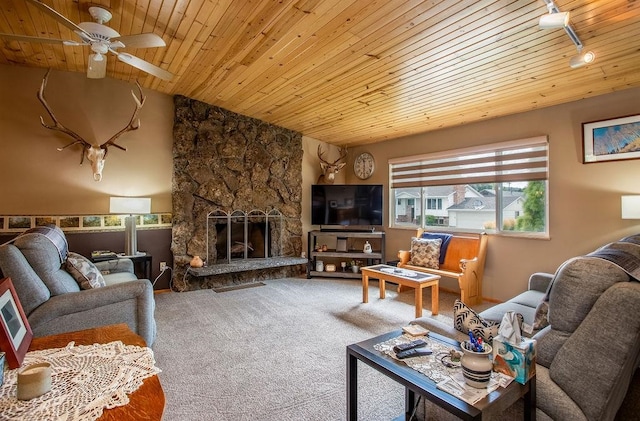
column 85, row 380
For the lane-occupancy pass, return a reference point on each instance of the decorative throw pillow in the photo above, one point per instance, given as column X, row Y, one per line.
column 84, row 271
column 465, row 320
column 425, row 252
column 541, row 319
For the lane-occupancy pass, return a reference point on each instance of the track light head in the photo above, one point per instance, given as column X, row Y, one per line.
column 582, row 59
column 554, row 20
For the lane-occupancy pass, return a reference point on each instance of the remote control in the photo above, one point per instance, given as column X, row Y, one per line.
column 413, row 344
column 414, row 352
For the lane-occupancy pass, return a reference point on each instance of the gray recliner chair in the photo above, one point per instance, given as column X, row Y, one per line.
column 53, row 300
column 590, row 351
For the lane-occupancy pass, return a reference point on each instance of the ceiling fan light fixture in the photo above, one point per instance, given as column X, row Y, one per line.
column 554, row 20
column 97, row 68
column 582, row 59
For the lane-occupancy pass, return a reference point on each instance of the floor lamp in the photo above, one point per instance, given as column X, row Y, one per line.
column 133, row 206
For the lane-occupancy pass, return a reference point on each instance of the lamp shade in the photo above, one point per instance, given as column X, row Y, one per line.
column 130, row 205
column 631, row 207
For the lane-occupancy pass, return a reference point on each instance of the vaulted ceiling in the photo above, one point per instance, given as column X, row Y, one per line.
column 352, row 72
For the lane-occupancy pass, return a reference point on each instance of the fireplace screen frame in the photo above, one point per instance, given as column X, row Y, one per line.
column 272, row 222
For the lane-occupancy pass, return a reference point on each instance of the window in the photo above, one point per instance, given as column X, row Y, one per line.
column 496, row 188
column 434, row 203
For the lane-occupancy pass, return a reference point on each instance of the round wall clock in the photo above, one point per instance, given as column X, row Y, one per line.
column 364, row 165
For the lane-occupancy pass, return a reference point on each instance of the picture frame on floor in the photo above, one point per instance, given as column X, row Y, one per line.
column 611, row 140
column 15, row 332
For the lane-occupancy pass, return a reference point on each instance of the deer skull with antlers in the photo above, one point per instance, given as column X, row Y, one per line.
column 330, row 169
column 96, row 154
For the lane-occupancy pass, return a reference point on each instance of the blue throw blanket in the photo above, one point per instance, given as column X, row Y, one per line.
column 53, row 234
column 446, row 239
column 621, row 258
column 633, row 239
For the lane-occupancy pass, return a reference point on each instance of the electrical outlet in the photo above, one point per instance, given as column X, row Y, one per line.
column 163, row 266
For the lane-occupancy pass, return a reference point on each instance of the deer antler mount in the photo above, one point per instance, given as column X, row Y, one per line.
column 96, row 154
column 330, row 169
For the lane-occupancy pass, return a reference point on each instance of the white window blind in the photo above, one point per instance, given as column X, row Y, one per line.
column 517, row 160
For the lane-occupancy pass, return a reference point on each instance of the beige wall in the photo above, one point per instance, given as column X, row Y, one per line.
column 37, row 179
column 584, row 199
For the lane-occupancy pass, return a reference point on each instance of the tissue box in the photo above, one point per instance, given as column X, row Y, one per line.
column 517, row 361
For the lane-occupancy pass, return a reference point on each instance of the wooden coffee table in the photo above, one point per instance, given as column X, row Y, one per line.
column 146, row 403
column 409, row 278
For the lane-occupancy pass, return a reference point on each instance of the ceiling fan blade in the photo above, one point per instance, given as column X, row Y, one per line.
column 145, row 66
column 26, row 38
column 146, row 40
column 60, row 18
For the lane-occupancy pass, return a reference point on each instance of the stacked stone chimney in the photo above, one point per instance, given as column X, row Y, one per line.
column 223, row 160
column 458, row 193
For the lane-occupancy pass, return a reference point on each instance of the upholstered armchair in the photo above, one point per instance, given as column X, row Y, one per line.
column 63, row 292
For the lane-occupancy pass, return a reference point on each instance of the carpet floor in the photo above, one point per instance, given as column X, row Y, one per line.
column 277, row 352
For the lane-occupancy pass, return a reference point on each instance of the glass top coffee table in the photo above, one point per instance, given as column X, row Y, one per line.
column 417, row 383
column 404, row 277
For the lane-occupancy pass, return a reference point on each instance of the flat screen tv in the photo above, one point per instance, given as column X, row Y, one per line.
column 353, row 206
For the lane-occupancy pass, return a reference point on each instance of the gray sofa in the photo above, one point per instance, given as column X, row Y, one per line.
column 525, row 303
column 589, row 352
column 52, row 298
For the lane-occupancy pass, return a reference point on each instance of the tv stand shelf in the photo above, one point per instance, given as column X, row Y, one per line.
column 376, row 238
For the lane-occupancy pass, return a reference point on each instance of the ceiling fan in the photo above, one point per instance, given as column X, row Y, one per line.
column 102, row 40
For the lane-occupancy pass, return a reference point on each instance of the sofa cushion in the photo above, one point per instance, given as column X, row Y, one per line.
column 553, row 401
column 44, row 258
column 578, row 283
column 465, row 319
column 119, row 277
column 497, row 312
column 425, row 252
column 604, row 349
column 84, row 271
column 32, row 292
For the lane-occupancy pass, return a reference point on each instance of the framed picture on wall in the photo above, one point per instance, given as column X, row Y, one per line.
column 15, row 332
column 611, row 140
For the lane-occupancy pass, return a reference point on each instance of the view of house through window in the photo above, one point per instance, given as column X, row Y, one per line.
column 505, row 189
column 522, row 206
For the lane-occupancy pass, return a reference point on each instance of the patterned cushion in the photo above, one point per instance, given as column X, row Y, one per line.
column 465, row 320
column 84, row 271
column 425, row 252
column 541, row 319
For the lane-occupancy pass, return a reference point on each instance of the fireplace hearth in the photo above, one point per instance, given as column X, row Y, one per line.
column 223, row 161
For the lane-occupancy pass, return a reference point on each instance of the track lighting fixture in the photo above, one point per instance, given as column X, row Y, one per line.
column 554, row 20
column 582, row 59
column 558, row 19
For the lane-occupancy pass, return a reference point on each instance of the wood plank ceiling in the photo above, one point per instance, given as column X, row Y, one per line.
column 352, row 72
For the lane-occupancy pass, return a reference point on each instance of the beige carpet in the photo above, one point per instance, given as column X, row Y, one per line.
column 277, row 352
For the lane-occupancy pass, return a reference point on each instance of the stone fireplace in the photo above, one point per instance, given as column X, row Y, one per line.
column 226, row 163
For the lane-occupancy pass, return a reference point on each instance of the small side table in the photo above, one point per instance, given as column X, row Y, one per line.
column 145, row 403
column 142, row 265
